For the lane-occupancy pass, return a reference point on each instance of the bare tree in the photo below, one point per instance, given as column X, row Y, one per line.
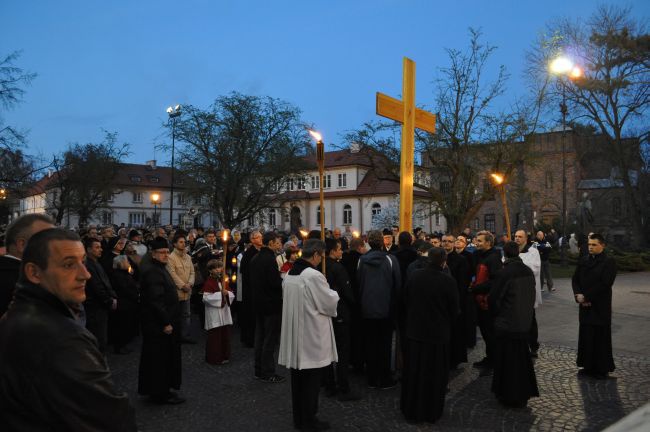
column 613, row 49
column 239, row 151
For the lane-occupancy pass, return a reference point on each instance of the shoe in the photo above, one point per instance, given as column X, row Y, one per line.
column 483, row 363
column 348, row 396
column 225, row 362
column 273, row 379
column 388, row 385
column 188, row 341
column 171, row 399
column 552, row 289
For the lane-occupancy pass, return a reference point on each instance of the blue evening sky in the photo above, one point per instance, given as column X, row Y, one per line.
column 116, row 65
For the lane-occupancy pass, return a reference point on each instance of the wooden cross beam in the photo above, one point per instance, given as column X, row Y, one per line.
column 411, row 117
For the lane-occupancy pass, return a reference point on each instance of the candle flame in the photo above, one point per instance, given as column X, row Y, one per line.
column 355, row 234
column 316, row 135
column 304, row 233
column 299, row 253
column 225, row 235
column 498, row 178
column 233, row 260
column 233, row 278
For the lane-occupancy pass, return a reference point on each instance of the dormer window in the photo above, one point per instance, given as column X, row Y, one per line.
column 136, row 179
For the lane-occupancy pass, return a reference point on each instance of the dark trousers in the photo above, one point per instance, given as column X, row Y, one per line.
column 97, row 324
column 356, row 342
column 246, row 319
column 486, row 325
column 545, row 275
column 337, row 374
column 378, row 335
column 533, row 343
column 267, row 338
column 305, row 385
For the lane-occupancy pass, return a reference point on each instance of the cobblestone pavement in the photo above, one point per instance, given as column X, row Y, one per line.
column 227, row 398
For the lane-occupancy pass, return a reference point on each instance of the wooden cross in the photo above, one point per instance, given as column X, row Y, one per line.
column 411, row 117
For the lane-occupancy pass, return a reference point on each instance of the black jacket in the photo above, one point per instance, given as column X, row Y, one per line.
column 52, row 375
column 488, row 266
column 593, row 278
column 9, row 270
column 459, row 270
column 99, row 292
column 338, row 279
column 431, row 301
column 127, row 290
column 350, row 261
column 159, row 300
column 245, row 270
column 512, row 299
column 405, row 256
column 379, row 284
column 266, row 282
column 418, row 264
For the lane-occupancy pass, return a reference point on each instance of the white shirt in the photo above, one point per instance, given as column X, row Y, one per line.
column 215, row 315
column 308, row 306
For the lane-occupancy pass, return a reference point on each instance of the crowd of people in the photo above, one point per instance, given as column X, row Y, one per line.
column 395, row 307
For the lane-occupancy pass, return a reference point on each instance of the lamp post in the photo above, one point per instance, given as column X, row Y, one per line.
column 564, row 67
column 499, row 181
column 320, row 158
column 155, row 199
column 174, row 113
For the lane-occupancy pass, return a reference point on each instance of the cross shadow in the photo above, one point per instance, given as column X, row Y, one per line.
column 601, row 401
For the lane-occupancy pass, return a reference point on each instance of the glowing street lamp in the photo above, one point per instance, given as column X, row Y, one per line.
column 155, row 200
column 564, row 67
column 173, row 113
column 499, row 182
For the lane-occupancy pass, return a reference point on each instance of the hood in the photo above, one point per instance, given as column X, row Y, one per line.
column 9, row 264
column 299, row 266
column 373, row 258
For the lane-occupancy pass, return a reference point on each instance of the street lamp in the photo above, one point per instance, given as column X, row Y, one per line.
column 564, row 67
column 174, row 113
column 155, row 200
column 499, row 182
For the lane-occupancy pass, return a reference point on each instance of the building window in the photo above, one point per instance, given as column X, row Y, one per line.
column 154, row 179
column 180, row 199
column 318, row 216
column 107, row 218
column 444, row 187
column 251, row 220
column 616, row 207
column 376, row 209
column 137, row 197
column 272, row 217
column 343, row 180
column 315, row 182
column 136, row 178
column 301, row 183
column 108, row 197
column 291, row 184
column 327, row 181
column 477, row 224
column 437, row 217
column 347, row 214
column 137, row 219
column 488, row 189
column 489, row 221
column 548, row 180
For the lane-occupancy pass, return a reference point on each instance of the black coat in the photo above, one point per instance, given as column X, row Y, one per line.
column 459, row 270
column 99, row 292
column 350, row 261
column 593, row 278
column 431, row 301
column 512, row 299
column 266, row 282
column 338, row 279
column 418, row 264
column 9, row 270
column 52, row 375
column 160, row 360
column 405, row 256
column 127, row 290
column 245, row 270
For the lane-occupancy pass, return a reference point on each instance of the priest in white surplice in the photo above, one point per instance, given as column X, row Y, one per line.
column 307, row 342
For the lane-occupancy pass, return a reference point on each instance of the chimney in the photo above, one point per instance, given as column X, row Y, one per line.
column 152, row 164
column 355, row 147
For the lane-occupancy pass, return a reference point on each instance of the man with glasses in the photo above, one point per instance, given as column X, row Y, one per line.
column 160, row 361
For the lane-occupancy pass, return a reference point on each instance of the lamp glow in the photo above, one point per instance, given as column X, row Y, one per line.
column 498, row 178
column 561, row 65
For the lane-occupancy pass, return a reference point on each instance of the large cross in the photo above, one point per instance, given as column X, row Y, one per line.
column 411, row 117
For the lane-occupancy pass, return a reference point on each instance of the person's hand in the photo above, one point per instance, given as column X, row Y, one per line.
column 168, row 329
column 186, row 288
column 580, row 298
column 114, row 305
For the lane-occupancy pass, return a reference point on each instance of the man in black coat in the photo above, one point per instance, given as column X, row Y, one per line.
column 458, row 268
column 16, row 237
column 512, row 302
column 488, row 267
column 338, row 279
column 246, row 312
column 267, row 303
column 422, row 248
column 470, row 305
column 160, row 317
column 431, row 300
column 592, row 286
column 350, row 261
column 52, row 375
column 100, row 296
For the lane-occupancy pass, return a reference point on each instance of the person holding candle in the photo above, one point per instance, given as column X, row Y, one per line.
column 217, row 299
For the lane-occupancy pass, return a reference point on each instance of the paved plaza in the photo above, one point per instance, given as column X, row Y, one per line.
column 227, row 398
